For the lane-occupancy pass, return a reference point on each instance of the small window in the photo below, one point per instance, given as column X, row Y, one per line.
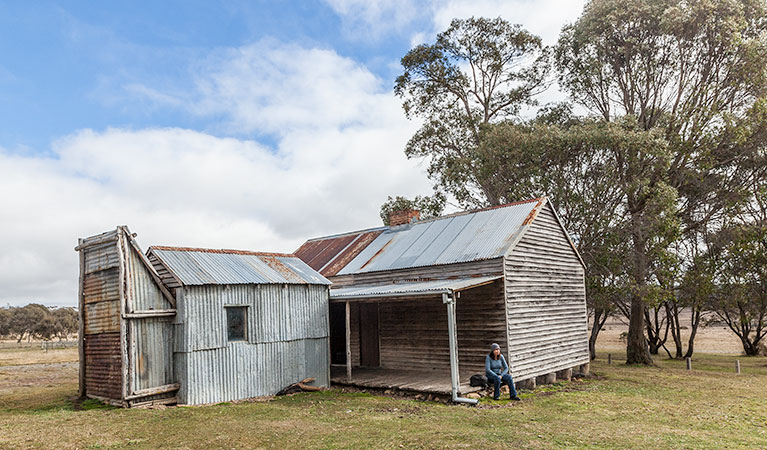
column 236, row 323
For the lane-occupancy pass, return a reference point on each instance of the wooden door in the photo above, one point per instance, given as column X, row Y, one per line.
column 369, row 342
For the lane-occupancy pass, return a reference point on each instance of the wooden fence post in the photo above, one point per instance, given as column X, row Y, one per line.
column 689, row 363
column 609, row 358
column 737, row 366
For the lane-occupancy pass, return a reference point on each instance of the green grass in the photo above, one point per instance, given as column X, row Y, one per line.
column 620, row 407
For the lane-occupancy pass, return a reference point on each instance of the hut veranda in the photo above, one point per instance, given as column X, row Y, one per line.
column 413, row 306
column 416, row 305
column 194, row 326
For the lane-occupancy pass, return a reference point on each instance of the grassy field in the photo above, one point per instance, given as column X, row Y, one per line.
column 620, row 407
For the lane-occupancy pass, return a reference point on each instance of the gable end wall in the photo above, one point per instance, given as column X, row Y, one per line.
column 545, row 301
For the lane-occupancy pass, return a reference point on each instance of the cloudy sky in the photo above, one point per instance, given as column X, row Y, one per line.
column 250, row 125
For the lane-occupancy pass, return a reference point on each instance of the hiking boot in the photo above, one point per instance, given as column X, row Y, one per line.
column 516, row 399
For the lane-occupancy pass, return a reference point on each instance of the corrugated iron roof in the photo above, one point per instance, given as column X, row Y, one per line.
column 198, row 266
column 463, row 237
column 416, row 288
column 330, row 254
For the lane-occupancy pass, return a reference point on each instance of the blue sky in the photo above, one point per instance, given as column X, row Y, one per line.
column 69, row 65
column 240, row 124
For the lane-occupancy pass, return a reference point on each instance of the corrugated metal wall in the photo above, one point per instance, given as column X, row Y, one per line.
column 288, row 338
column 151, row 339
column 144, row 294
column 546, row 298
column 101, row 317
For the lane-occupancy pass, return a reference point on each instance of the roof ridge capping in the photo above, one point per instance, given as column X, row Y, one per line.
column 487, row 208
column 220, row 251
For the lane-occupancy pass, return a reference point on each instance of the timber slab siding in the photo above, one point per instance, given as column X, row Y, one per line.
column 546, row 301
column 414, row 336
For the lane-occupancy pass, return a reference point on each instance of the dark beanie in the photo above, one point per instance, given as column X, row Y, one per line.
column 494, row 346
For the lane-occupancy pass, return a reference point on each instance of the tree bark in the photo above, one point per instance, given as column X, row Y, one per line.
column 600, row 317
column 672, row 315
column 694, row 323
column 636, row 345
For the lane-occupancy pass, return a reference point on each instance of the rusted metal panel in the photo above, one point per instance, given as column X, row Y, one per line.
column 318, row 253
column 102, row 317
column 101, row 257
column 458, row 238
column 103, row 365
column 101, row 286
column 194, row 267
column 545, row 296
column 349, row 253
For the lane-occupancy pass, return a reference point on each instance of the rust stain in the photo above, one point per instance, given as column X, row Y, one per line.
column 377, row 253
column 280, row 268
column 223, row 251
column 350, row 253
column 529, row 219
column 319, row 253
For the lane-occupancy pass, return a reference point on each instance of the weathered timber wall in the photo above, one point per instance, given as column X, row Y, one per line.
column 546, row 300
column 413, row 333
column 287, row 340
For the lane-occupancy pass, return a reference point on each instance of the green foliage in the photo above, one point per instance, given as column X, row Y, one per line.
column 38, row 321
column 429, row 206
column 740, row 295
column 478, row 71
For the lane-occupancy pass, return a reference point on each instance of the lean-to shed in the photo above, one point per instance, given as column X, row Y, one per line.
column 416, row 305
column 193, row 326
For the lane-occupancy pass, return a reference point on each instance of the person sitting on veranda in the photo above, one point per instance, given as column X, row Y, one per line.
column 497, row 372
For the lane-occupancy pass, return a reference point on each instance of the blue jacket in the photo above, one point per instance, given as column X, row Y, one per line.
column 496, row 366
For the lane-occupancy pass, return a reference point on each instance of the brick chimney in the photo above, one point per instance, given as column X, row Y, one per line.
column 403, row 216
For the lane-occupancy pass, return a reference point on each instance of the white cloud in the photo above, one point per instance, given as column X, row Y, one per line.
column 337, row 154
column 374, row 18
column 542, row 17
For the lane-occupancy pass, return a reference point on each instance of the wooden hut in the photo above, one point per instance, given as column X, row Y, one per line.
column 411, row 300
column 192, row 326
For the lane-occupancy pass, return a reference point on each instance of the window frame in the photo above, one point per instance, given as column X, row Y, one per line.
column 244, row 309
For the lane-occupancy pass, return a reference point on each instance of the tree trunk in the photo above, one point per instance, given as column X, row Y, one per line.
column 694, row 323
column 636, row 345
column 672, row 315
column 600, row 317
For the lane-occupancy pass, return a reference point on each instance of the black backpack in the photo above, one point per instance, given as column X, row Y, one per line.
column 478, row 380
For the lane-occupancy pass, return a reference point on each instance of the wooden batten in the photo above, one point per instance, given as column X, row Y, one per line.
column 545, row 297
column 111, row 326
column 81, row 323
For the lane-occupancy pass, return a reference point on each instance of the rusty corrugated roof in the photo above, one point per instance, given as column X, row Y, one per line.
column 199, row 266
column 330, row 254
column 461, row 237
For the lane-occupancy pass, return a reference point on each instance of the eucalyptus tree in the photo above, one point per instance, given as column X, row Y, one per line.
column 690, row 71
column 479, row 71
column 594, row 171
